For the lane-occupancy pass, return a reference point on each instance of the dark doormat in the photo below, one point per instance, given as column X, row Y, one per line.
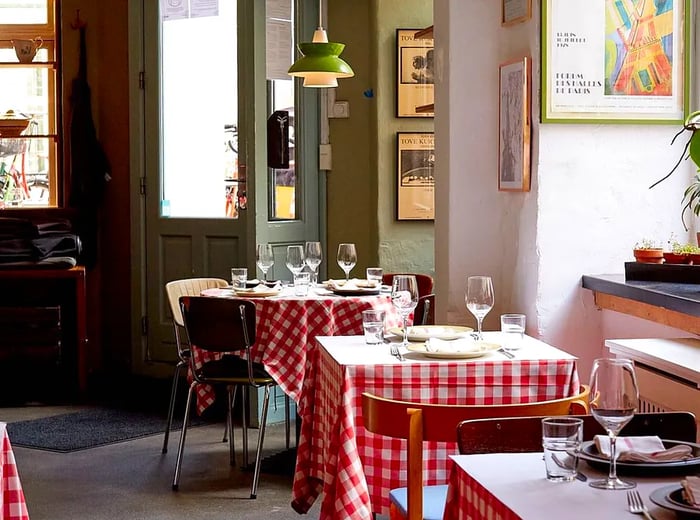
column 89, row 428
column 281, row 463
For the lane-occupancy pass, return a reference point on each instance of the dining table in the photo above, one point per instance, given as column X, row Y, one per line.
column 13, row 505
column 512, row 486
column 286, row 326
column 353, row 469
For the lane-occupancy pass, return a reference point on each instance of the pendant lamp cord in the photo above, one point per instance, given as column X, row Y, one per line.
column 320, row 13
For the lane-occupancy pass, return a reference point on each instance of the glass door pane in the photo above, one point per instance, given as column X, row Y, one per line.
column 200, row 114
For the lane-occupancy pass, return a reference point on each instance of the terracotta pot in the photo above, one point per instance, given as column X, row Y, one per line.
column 649, row 256
column 676, row 258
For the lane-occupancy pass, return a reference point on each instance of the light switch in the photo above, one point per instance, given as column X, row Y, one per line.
column 341, row 109
column 324, row 157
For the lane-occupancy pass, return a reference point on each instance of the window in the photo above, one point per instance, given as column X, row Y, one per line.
column 29, row 104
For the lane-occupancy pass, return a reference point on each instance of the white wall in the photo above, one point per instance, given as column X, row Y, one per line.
column 588, row 205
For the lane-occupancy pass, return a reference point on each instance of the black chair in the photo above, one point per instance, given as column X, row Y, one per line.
column 524, row 434
column 425, row 310
column 225, row 325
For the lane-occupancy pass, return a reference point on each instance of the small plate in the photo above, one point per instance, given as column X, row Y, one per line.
column 590, row 454
column 256, row 293
column 355, row 291
column 485, row 348
column 425, row 332
column 671, row 497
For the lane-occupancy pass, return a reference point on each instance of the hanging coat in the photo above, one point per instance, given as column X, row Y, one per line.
column 89, row 167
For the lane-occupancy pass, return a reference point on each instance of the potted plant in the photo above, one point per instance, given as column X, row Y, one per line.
column 691, row 195
column 648, row 252
column 681, row 253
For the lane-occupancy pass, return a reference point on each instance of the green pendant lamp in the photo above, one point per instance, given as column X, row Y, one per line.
column 320, row 65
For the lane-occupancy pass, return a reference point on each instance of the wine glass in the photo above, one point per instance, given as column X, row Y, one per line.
column 479, row 298
column 295, row 259
column 313, row 257
column 264, row 258
column 613, row 400
column 404, row 296
column 347, row 258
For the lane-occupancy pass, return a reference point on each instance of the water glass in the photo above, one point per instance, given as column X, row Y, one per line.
column 561, row 440
column 373, row 325
column 374, row 275
column 512, row 330
column 313, row 255
column 239, row 277
column 301, row 284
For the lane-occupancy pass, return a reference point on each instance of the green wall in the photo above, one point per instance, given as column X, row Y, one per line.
column 362, row 185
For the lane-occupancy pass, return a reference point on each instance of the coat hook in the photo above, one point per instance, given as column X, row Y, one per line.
column 78, row 23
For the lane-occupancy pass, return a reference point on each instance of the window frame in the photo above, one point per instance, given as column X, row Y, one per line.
column 50, row 32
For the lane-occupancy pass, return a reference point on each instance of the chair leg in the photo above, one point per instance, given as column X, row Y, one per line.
column 261, row 437
column 287, row 420
column 183, row 434
column 229, row 423
column 171, row 407
column 244, row 433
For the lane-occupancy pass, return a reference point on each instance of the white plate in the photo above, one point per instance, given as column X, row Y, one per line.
column 485, row 348
column 425, row 332
column 255, row 293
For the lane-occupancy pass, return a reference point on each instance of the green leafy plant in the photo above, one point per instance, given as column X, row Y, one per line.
column 691, row 195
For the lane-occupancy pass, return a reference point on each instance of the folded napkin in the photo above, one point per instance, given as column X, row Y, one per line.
column 352, row 284
column 455, row 345
column 642, row 449
column 691, row 491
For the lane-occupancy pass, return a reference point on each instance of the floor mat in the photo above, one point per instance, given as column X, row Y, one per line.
column 88, row 429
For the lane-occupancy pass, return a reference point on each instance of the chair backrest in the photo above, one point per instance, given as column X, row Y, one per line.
column 425, row 282
column 188, row 287
column 425, row 310
column 418, row 422
column 219, row 324
column 524, row 434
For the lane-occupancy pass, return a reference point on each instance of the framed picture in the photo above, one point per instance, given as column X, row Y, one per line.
column 415, row 92
column 615, row 62
column 515, row 11
column 415, row 184
column 514, row 126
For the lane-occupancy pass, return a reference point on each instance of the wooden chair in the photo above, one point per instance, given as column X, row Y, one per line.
column 175, row 289
column 418, row 422
column 425, row 282
column 524, row 434
column 225, row 325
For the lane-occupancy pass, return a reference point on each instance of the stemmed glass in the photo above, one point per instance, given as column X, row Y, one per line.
column 404, row 296
column 613, row 400
column 264, row 258
column 313, row 258
column 295, row 259
column 347, row 258
column 479, row 298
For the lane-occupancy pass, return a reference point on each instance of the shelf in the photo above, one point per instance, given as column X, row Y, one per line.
column 32, row 64
column 424, row 34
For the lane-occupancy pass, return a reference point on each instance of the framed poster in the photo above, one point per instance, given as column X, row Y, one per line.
column 415, row 184
column 415, row 86
column 608, row 61
column 514, row 126
column 515, row 11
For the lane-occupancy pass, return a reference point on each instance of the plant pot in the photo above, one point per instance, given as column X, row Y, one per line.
column 649, row 256
column 676, row 258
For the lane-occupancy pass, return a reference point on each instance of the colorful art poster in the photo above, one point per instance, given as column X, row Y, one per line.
column 614, row 61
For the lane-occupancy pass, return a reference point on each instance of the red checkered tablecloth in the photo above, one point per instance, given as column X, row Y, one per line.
column 355, row 469
column 286, row 326
column 13, row 504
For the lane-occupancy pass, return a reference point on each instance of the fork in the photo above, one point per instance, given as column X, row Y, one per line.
column 394, row 350
column 636, row 505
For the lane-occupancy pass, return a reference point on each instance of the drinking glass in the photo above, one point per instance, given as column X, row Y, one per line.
column 313, row 257
column 264, row 258
column 479, row 298
column 404, row 296
column 295, row 259
column 613, row 400
column 347, row 258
